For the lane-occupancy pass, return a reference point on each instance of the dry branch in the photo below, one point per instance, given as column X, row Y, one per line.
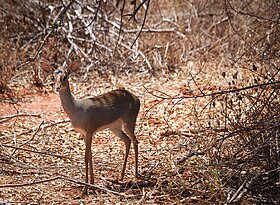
column 34, row 151
column 223, row 92
column 8, row 117
column 62, row 178
column 143, row 23
column 93, row 186
column 37, row 130
column 28, row 184
column 44, row 127
column 56, row 23
column 238, row 194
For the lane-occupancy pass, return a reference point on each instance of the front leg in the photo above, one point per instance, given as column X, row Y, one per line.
column 91, row 167
column 88, row 161
column 86, row 166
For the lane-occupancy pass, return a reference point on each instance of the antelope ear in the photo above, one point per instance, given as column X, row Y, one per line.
column 47, row 67
column 73, row 67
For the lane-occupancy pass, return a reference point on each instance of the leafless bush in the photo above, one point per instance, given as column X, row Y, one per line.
column 252, row 117
column 248, row 150
column 241, row 39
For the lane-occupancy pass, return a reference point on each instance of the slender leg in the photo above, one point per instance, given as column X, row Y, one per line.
column 91, row 168
column 88, row 160
column 127, row 143
column 86, row 166
column 129, row 129
column 135, row 146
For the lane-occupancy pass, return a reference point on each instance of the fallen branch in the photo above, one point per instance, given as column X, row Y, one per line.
column 133, row 184
column 8, row 117
column 37, row 130
column 44, row 127
column 34, row 151
column 62, row 178
column 240, row 191
column 28, row 184
column 222, row 92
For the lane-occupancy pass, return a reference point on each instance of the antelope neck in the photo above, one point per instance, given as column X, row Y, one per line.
column 67, row 100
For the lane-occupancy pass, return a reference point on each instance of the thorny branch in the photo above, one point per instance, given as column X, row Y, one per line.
column 216, row 93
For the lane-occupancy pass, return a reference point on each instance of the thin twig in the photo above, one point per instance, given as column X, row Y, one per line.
column 196, row 85
column 95, row 14
column 57, row 22
column 222, row 92
column 29, row 184
column 132, row 16
column 44, row 127
column 120, row 29
column 34, row 151
column 38, row 129
column 92, row 185
column 8, row 117
column 143, row 23
column 276, row 21
column 62, row 178
column 239, row 191
column 137, row 52
column 31, row 137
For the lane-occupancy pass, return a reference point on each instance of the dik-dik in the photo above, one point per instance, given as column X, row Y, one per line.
column 116, row 110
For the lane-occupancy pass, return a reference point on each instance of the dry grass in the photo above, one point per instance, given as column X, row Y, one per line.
column 203, row 147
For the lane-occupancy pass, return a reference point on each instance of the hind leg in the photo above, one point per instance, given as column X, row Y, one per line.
column 118, row 132
column 129, row 129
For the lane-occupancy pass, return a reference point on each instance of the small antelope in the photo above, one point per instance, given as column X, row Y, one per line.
column 116, row 110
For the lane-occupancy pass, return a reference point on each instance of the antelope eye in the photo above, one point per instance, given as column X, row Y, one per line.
column 65, row 78
column 56, row 72
column 52, row 78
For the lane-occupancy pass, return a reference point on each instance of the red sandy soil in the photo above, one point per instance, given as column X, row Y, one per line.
column 38, row 104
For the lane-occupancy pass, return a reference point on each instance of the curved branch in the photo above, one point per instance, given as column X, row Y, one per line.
column 222, row 92
column 143, row 23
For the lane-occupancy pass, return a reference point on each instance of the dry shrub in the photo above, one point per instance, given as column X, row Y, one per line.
column 240, row 39
column 247, row 149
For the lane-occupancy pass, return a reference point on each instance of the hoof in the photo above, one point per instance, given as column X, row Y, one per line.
column 139, row 176
column 85, row 190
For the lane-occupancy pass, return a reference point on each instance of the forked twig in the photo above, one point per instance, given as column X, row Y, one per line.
column 143, row 23
column 37, row 130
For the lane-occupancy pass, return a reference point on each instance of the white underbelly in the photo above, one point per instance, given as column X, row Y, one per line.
column 82, row 131
column 115, row 124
